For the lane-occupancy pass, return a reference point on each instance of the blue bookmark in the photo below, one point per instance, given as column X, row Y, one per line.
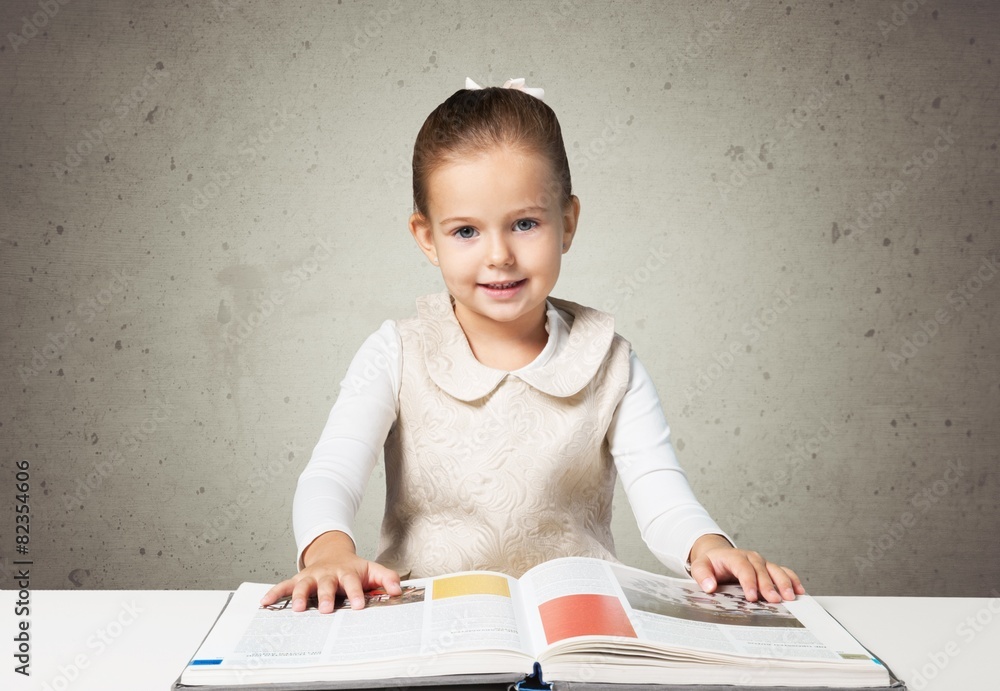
column 533, row 682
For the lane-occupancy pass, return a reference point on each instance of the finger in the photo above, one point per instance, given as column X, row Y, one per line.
column 764, row 583
column 326, row 589
column 277, row 591
column 746, row 574
column 385, row 577
column 769, row 588
column 703, row 572
column 782, row 581
column 351, row 585
column 796, row 581
column 300, row 594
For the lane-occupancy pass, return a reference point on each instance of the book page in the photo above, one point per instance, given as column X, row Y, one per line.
column 678, row 613
column 249, row 637
column 475, row 610
column 432, row 619
column 572, row 597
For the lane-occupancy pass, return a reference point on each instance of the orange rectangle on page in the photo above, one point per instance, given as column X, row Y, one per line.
column 584, row 615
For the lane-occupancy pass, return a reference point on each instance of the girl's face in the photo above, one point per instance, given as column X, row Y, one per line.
column 497, row 232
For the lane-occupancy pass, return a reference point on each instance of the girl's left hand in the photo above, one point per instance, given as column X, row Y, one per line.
column 714, row 561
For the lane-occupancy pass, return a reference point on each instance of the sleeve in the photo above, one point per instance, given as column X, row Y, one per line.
column 669, row 516
column 331, row 486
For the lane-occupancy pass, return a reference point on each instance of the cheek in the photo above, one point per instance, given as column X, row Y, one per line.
column 459, row 259
column 547, row 254
column 456, row 264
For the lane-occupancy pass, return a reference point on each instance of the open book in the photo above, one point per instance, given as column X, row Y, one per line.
column 582, row 620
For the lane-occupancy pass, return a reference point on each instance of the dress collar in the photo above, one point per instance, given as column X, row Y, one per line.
column 571, row 362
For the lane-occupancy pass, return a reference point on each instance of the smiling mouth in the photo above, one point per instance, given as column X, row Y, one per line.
column 502, row 286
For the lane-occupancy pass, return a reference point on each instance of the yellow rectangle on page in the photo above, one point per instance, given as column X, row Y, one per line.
column 479, row 584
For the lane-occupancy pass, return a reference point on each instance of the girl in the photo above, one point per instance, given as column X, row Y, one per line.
column 505, row 414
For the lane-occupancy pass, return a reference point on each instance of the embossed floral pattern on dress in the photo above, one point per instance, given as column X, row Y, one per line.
column 488, row 469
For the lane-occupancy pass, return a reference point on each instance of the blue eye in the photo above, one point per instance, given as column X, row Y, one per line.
column 526, row 220
column 466, row 233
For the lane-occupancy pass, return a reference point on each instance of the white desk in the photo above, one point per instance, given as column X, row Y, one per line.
column 139, row 640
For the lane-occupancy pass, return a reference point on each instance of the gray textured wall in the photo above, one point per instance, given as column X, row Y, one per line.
column 203, row 216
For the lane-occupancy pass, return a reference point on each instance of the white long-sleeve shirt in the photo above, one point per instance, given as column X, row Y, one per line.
column 331, row 486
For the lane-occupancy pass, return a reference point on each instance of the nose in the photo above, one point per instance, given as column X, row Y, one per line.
column 499, row 252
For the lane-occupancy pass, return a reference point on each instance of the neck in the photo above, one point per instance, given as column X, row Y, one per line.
column 495, row 343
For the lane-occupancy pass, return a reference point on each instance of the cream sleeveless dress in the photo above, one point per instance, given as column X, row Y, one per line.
column 487, row 469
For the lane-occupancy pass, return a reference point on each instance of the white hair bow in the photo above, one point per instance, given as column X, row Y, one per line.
column 512, row 84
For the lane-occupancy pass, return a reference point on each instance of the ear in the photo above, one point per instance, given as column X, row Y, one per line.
column 422, row 232
column 571, row 215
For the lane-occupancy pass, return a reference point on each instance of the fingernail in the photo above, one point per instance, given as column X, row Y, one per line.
column 299, row 602
column 751, row 594
column 706, row 584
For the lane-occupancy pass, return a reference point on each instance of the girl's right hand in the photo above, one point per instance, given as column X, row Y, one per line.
column 332, row 566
